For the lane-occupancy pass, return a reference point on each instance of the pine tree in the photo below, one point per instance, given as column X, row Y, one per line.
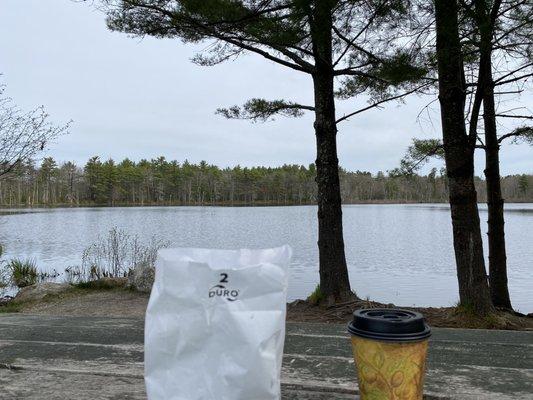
column 459, row 149
column 356, row 43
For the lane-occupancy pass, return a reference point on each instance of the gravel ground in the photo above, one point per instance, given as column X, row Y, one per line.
column 110, row 303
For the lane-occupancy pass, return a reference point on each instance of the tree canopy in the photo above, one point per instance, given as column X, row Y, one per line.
column 369, row 50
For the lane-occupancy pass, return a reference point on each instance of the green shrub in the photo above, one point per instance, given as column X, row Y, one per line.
column 316, row 297
column 23, row 272
column 10, row 307
column 102, row 284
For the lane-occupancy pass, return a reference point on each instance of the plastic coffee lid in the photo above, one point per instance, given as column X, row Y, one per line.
column 393, row 325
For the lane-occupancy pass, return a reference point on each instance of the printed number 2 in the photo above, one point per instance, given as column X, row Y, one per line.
column 224, row 278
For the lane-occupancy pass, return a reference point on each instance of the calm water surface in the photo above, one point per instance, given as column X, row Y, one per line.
column 396, row 253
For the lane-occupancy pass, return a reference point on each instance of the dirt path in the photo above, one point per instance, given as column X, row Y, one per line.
column 110, row 303
column 444, row 317
column 125, row 303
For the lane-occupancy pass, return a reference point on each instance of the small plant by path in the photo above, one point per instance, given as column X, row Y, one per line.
column 23, row 272
column 316, row 297
column 114, row 256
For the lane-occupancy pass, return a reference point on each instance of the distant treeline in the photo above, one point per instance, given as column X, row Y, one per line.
column 162, row 182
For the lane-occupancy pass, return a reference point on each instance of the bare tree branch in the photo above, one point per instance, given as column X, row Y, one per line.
column 378, row 103
column 23, row 134
column 515, row 116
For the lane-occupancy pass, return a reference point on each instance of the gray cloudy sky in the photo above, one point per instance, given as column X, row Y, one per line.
column 144, row 98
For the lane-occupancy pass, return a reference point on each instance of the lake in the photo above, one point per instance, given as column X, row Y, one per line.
column 400, row 254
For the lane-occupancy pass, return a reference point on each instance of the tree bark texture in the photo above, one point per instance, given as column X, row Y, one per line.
column 499, row 290
column 459, row 158
column 334, row 280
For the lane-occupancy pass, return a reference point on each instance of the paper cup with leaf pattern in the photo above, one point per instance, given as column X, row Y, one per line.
column 390, row 348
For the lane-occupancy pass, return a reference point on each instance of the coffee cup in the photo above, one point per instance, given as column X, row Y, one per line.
column 390, row 348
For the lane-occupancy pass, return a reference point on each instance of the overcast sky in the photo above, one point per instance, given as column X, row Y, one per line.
column 144, row 98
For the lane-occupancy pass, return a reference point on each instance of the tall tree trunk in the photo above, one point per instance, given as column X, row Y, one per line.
column 459, row 158
column 334, row 280
column 499, row 290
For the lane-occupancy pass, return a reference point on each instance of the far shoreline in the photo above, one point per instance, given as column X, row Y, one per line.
column 224, row 205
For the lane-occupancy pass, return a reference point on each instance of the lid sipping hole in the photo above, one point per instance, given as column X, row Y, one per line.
column 375, row 313
column 401, row 314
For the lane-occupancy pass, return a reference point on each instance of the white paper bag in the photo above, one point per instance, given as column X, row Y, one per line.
column 215, row 324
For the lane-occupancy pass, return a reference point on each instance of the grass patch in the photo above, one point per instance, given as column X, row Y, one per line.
column 466, row 314
column 102, row 284
column 10, row 307
column 23, row 272
column 465, row 309
column 316, row 297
